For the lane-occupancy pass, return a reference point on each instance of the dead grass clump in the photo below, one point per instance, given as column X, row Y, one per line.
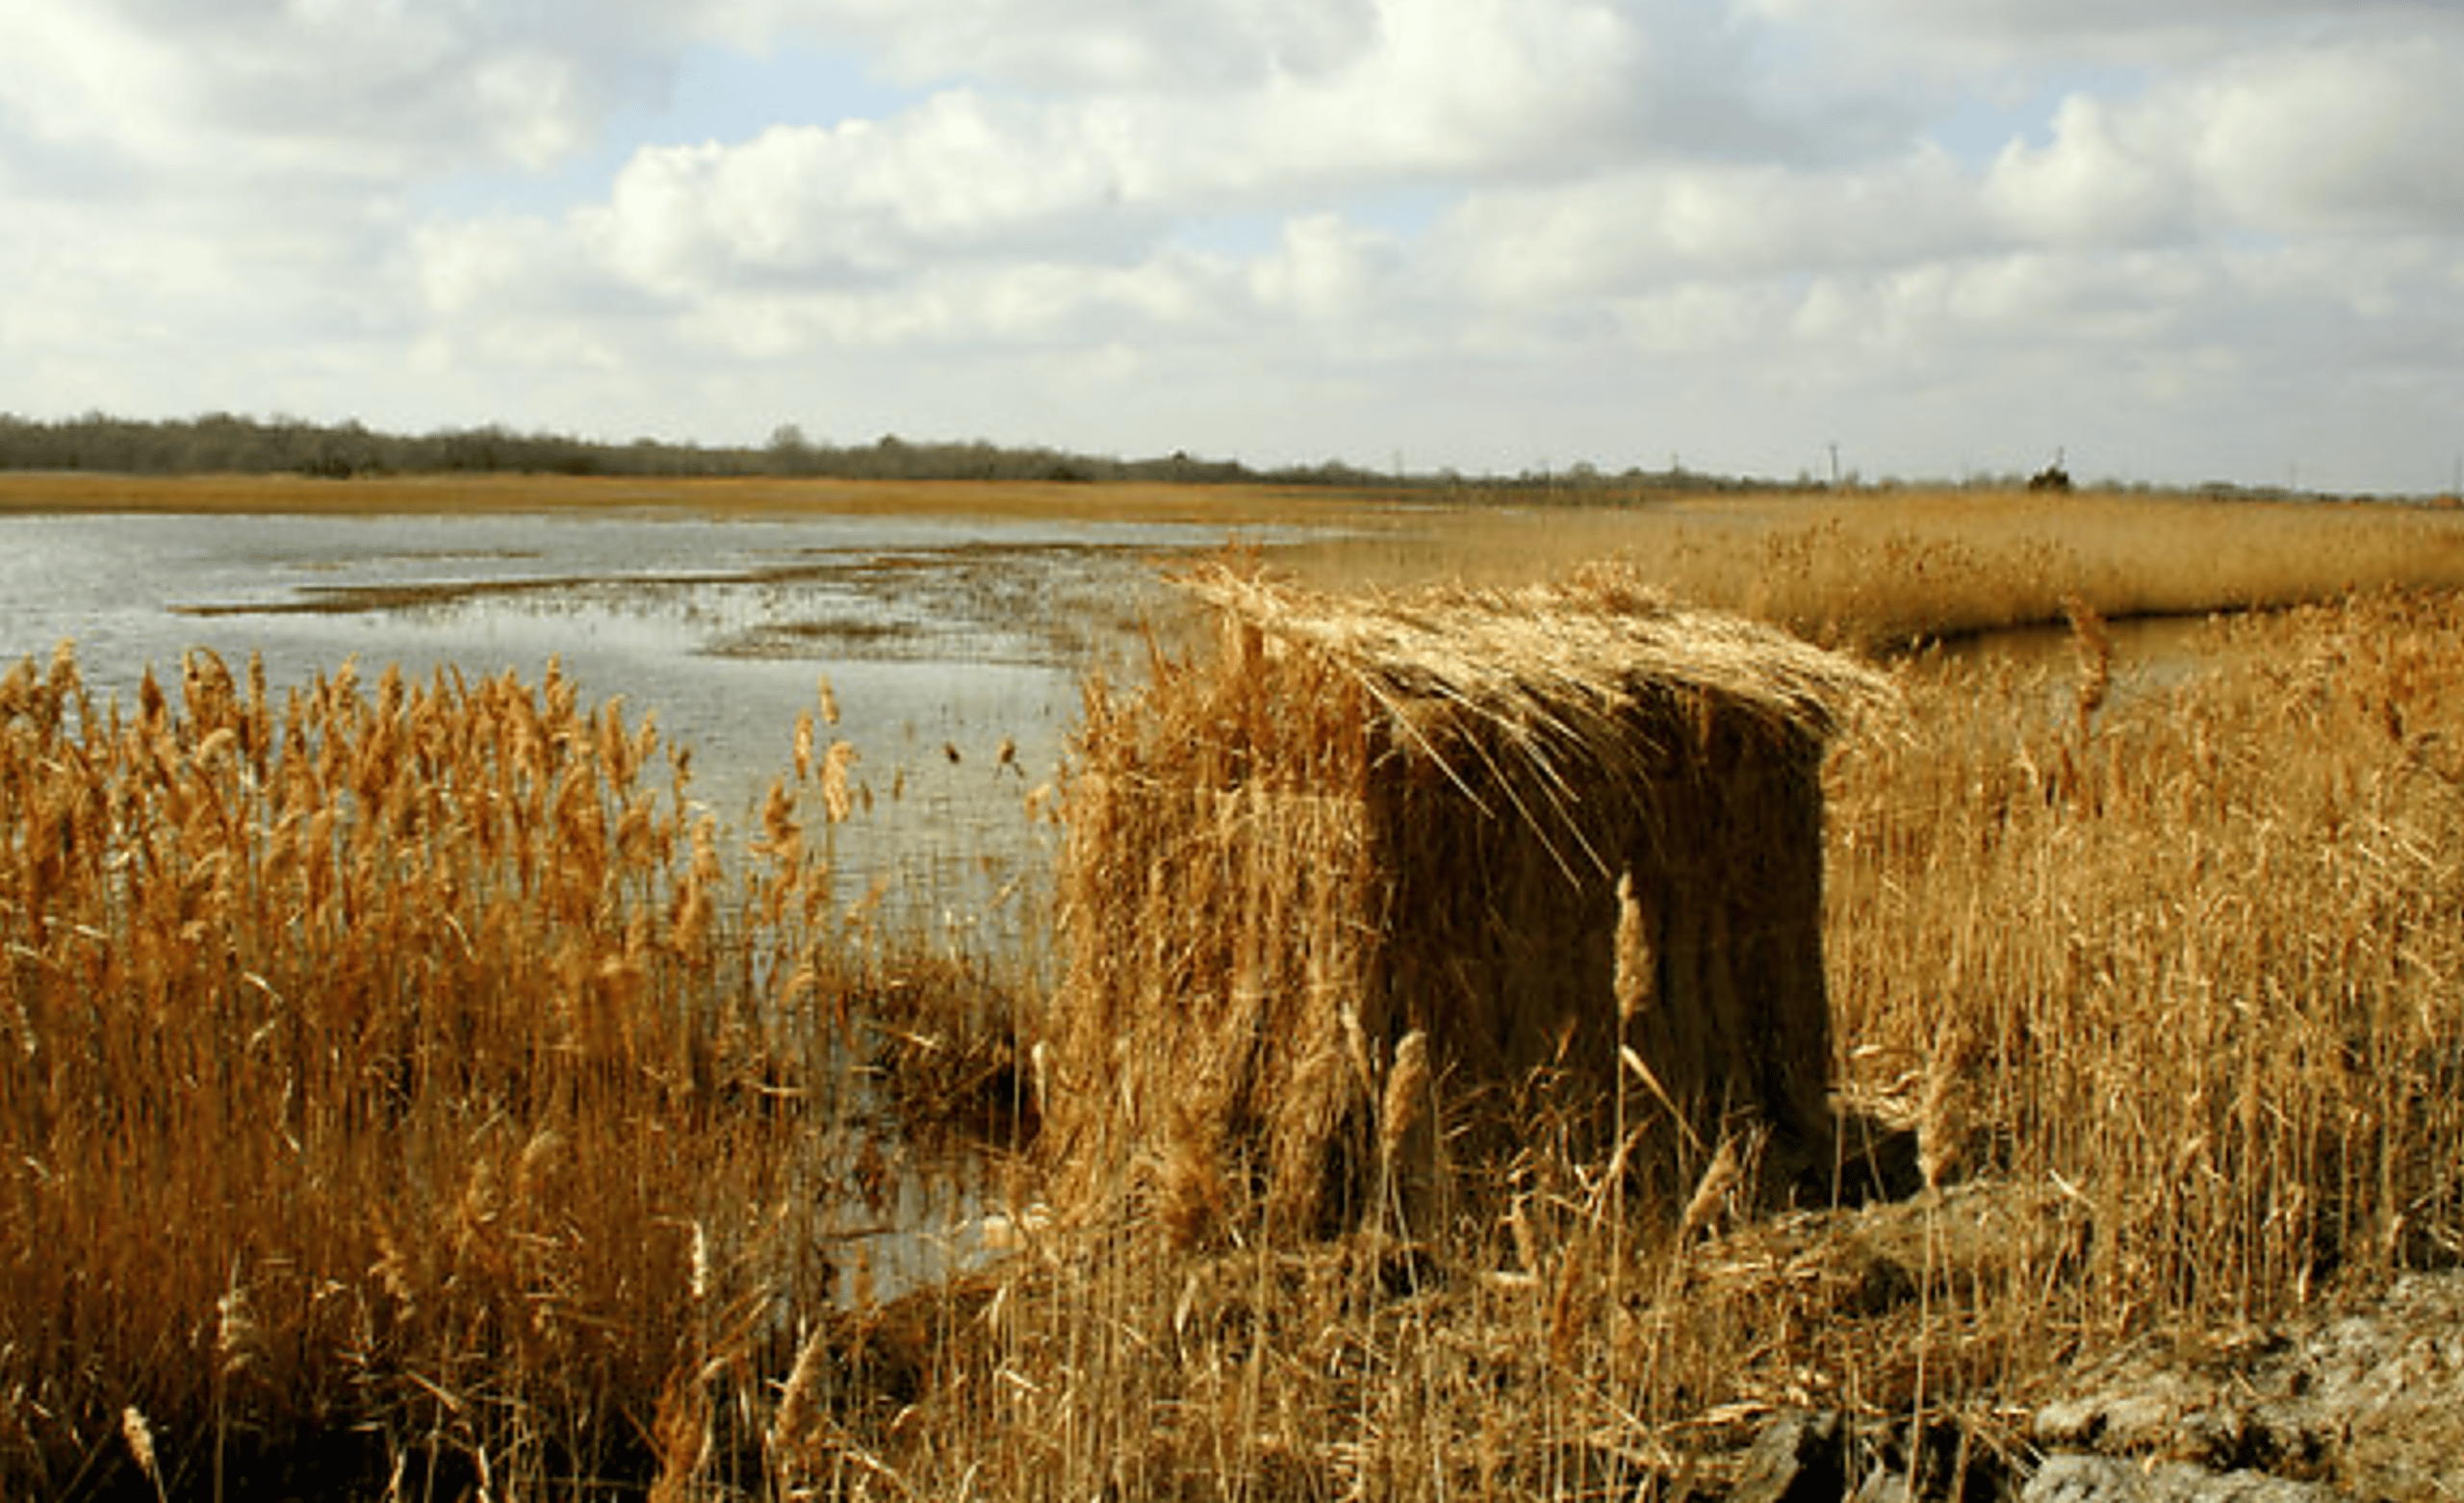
column 1359, row 822
column 2164, row 971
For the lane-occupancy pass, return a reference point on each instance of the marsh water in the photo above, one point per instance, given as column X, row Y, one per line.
column 955, row 649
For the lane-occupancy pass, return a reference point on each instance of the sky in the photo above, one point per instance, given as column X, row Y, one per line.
column 2172, row 244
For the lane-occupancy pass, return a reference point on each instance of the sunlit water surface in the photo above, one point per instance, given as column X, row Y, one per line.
column 942, row 639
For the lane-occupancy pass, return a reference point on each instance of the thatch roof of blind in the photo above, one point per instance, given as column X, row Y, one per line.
column 1548, row 688
column 1553, row 662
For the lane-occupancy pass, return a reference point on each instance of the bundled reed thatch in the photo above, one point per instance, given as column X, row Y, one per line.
column 1361, row 820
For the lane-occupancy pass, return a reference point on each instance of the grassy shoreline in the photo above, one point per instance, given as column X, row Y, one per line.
column 1874, row 570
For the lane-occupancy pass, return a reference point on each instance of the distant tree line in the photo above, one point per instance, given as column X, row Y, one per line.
column 221, row 442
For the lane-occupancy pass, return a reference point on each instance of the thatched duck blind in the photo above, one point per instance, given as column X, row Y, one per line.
column 1352, row 821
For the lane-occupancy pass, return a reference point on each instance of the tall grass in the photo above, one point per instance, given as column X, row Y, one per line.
column 392, row 1077
column 398, row 1079
column 1878, row 570
column 2189, row 955
column 2162, row 974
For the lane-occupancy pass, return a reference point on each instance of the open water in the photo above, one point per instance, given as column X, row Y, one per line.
column 942, row 639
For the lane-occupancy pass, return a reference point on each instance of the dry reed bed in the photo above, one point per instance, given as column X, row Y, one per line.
column 1891, row 570
column 386, row 1074
column 1879, row 569
column 2166, row 976
column 2190, row 955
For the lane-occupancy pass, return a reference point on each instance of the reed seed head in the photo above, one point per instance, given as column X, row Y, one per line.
column 1407, row 1098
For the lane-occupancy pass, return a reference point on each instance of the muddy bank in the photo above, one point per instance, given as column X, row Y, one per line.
column 2363, row 1401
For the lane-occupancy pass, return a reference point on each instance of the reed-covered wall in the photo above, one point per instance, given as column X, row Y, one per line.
column 1348, row 822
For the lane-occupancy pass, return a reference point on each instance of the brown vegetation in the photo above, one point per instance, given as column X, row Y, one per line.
column 1884, row 571
column 395, row 1079
column 2187, row 952
column 390, row 1077
column 1359, row 826
column 2164, row 979
column 1229, row 505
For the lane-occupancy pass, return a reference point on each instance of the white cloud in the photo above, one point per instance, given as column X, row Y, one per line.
column 2357, row 137
column 70, row 78
column 1704, row 319
column 1486, row 232
column 294, row 95
column 2109, row 176
column 1624, row 231
column 1075, row 45
column 2354, row 137
column 1326, row 270
column 961, row 174
column 2054, row 33
column 1467, row 90
column 1484, row 86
